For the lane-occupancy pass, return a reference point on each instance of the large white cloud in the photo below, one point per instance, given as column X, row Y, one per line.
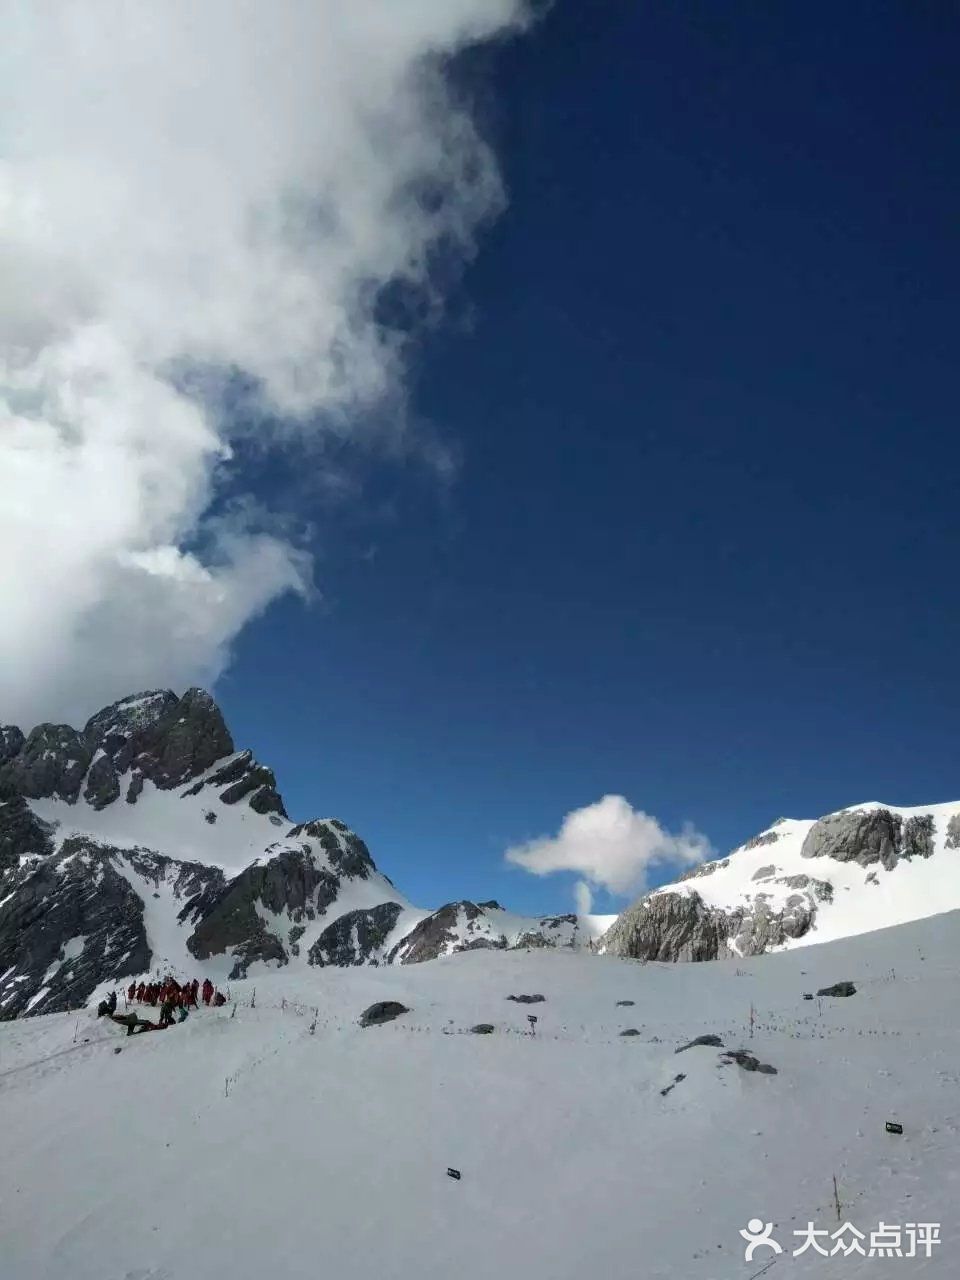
column 218, row 187
column 610, row 845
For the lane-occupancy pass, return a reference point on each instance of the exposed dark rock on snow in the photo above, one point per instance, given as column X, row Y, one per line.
column 705, row 869
column 527, row 999
column 764, row 838
column 346, row 852
column 747, row 1060
column 630, row 1031
column 435, row 934
column 711, row 1041
column 857, row 835
column 382, row 1011
column 103, row 785
column 21, row 832
column 838, row 989
column 669, row 926
column 918, row 836
column 58, row 938
column 289, row 883
column 52, row 761
column 625, row 1003
column 953, row 833
column 354, row 937
column 764, row 873
column 676, row 1080
column 483, row 1029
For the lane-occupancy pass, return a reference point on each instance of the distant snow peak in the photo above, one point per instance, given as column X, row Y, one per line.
column 850, row 872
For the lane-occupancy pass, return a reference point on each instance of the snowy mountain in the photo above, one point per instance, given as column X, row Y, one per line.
column 286, row 1140
column 145, row 841
column 864, row 868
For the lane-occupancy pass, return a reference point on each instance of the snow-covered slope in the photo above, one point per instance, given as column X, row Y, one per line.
column 863, row 868
column 145, row 842
column 283, row 1142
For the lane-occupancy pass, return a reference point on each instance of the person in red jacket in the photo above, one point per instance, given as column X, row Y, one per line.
column 141, row 991
column 131, row 991
column 207, row 990
column 194, row 988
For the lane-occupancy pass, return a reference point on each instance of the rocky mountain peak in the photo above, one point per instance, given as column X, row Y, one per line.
column 153, row 735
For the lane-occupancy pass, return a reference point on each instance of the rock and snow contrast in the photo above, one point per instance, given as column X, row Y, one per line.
column 864, row 868
column 285, row 1139
column 145, row 841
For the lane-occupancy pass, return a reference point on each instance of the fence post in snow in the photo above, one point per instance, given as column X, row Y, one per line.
column 836, row 1196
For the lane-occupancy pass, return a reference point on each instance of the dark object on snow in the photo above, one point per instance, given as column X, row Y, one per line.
column 621, row 1004
column 747, row 1060
column 807, row 995
column 454, row 1173
column 118, row 1049
column 106, row 1007
column 527, row 999
column 483, row 1029
column 676, row 1081
column 713, row 1041
column 219, row 1000
column 630, row 1031
column 893, row 1127
column 133, row 1024
column 838, row 989
column 382, row 1011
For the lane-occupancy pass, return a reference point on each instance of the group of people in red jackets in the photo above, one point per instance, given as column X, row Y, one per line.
column 172, row 994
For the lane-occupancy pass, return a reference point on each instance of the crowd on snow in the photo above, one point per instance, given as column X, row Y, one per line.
column 174, row 999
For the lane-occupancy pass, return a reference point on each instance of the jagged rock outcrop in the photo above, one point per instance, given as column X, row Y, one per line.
column 68, row 922
column 289, row 883
column 22, row 834
column 356, row 936
column 858, row 835
column 668, row 926
column 52, row 761
column 437, row 934
column 347, row 853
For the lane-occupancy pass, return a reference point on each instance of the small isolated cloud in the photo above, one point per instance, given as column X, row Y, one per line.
column 611, row 846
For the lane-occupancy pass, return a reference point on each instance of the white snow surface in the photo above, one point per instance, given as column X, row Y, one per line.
column 914, row 889
column 171, row 823
column 245, row 1146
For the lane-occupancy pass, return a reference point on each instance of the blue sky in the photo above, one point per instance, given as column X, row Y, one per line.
column 700, row 385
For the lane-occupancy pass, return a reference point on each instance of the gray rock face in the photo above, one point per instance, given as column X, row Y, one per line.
column 289, row 883
column 103, row 785
column 11, row 742
column 862, row 836
column 704, row 869
column 668, row 926
column 22, row 834
column 747, row 1061
column 51, row 762
column 356, row 936
column 709, row 1041
column 838, row 989
column 765, row 838
column 764, row 873
column 953, row 833
column 59, row 940
column 346, row 852
column 435, row 934
column 918, row 833
column 382, row 1011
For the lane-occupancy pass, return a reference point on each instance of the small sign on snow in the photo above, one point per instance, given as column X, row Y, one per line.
column 893, row 1127
column 454, row 1173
